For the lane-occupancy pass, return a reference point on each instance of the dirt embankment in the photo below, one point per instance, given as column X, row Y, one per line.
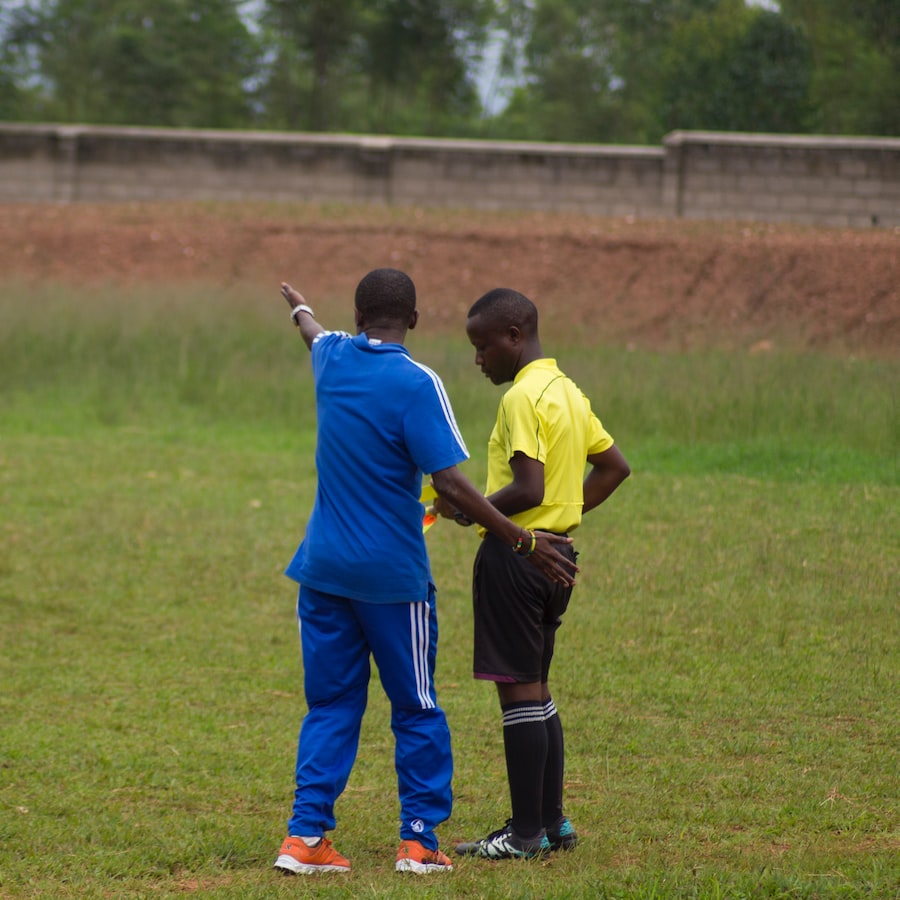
column 654, row 284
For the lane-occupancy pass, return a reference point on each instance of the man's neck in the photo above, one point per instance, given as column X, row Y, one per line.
column 384, row 334
column 529, row 354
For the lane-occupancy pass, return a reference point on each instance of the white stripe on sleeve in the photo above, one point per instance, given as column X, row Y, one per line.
column 445, row 404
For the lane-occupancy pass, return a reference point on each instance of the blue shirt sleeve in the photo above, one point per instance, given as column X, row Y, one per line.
column 432, row 435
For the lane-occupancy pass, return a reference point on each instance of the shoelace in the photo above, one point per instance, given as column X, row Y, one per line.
column 507, row 827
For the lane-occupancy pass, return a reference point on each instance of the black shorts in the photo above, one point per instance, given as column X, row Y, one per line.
column 517, row 610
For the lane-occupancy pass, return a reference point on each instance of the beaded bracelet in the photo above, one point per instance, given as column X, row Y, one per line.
column 520, row 543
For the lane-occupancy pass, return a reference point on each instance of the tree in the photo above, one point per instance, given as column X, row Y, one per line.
column 180, row 63
column 56, row 47
column 417, row 55
column 311, row 66
column 399, row 66
column 594, row 69
column 584, row 70
column 14, row 102
column 855, row 87
column 642, row 33
column 153, row 62
column 736, row 69
column 568, row 72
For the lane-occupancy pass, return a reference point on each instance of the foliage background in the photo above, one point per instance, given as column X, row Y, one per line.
column 550, row 70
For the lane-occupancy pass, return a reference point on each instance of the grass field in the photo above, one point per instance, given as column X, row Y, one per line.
column 727, row 674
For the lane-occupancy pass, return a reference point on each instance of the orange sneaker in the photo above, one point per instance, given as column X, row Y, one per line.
column 298, row 859
column 413, row 857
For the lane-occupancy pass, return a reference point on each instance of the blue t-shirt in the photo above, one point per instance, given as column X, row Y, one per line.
column 384, row 420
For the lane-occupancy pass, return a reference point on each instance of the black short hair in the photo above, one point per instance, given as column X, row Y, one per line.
column 386, row 295
column 503, row 307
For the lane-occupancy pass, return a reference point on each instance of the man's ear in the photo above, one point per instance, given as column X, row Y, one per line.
column 413, row 319
column 357, row 319
column 514, row 333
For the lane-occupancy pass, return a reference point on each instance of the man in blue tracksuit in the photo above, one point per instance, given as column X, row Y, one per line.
column 365, row 581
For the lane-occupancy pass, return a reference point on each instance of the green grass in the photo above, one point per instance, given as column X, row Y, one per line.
column 726, row 674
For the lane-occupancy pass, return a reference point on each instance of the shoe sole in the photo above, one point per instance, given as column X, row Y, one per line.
column 473, row 850
column 410, row 865
column 290, row 865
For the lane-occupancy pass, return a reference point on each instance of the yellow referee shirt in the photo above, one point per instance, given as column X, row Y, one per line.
column 545, row 416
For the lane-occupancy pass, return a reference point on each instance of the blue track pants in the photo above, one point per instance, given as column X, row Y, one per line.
column 337, row 637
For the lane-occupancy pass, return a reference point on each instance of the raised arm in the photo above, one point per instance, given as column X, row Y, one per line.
column 303, row 316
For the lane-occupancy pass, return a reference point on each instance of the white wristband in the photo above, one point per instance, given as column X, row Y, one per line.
column 301, row 307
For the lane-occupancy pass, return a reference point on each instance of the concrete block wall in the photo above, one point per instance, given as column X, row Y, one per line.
column 830, row 181
column 785, row 178
column 506, row 175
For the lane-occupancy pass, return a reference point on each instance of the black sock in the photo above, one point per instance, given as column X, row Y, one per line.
column 525, row 740
column 553, row 770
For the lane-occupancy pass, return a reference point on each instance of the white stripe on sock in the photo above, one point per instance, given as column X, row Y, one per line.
column 522, row 715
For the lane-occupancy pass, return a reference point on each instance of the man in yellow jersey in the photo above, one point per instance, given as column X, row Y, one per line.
column 544, row 438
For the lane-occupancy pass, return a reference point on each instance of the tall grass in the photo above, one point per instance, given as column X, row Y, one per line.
column 726, row 674
column 225, row 361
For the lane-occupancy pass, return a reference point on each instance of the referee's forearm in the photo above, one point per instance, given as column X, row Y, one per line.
column 511, row 500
